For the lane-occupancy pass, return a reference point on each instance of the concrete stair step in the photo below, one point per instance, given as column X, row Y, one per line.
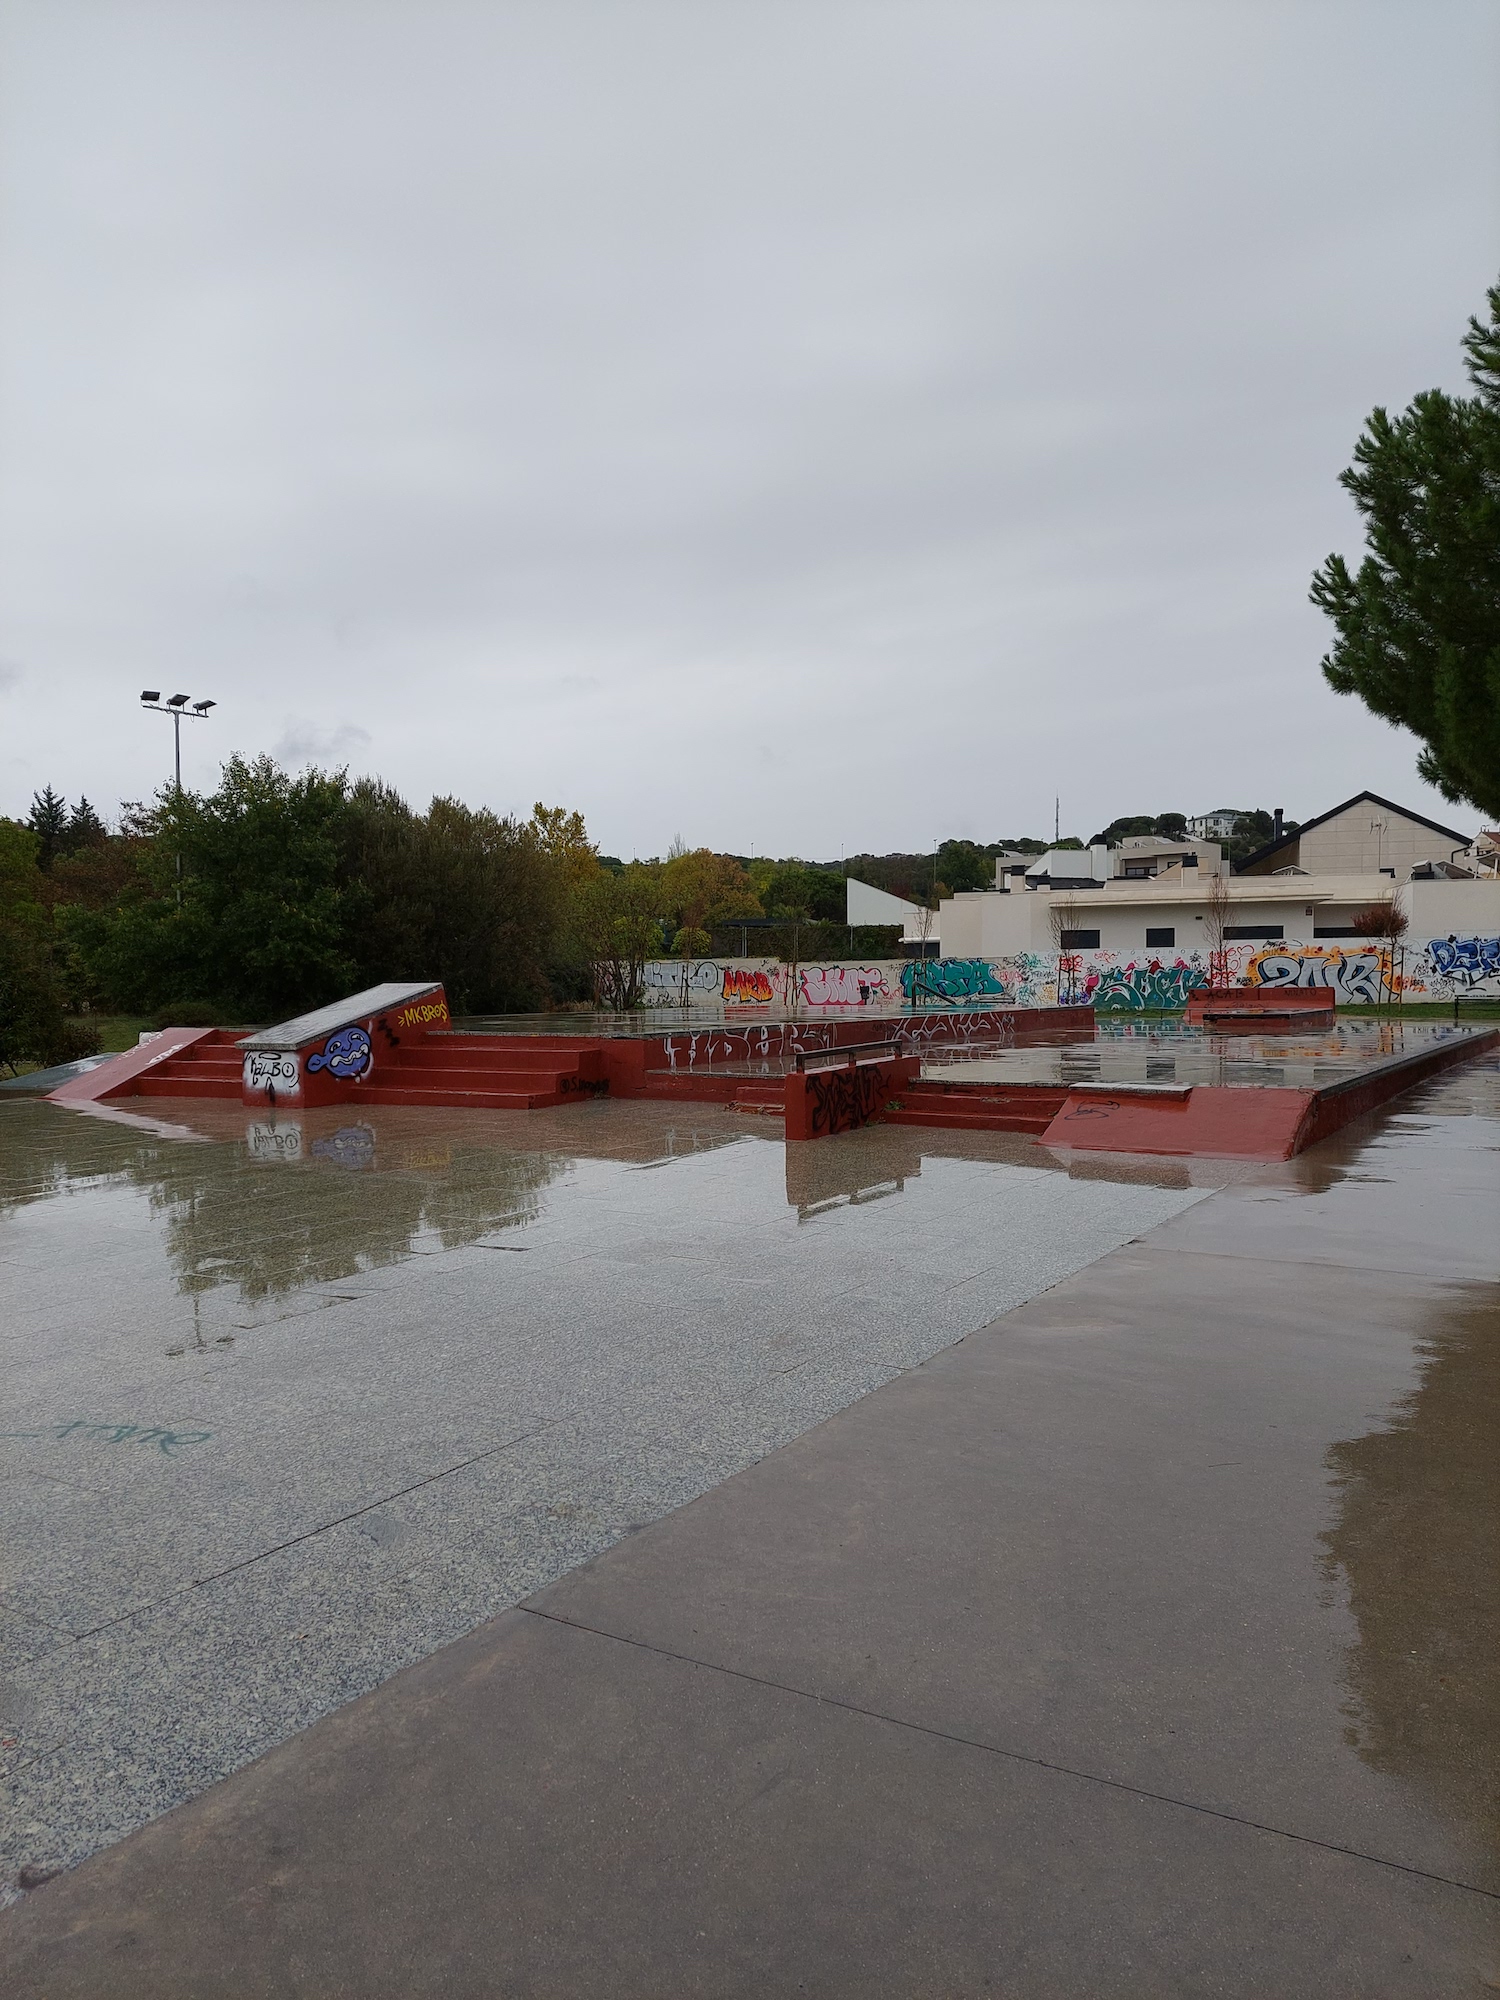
column 161, row 1083
column 499, row 1061
column 410, row 1077
column 970, row 1121
column 473, row 1100
column 690, row 1089
column 531, row 1045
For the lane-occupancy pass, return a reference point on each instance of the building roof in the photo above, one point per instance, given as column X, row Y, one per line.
column 1290, row 839
column 1120, row 894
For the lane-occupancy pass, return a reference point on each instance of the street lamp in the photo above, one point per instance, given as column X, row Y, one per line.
column 177, row 706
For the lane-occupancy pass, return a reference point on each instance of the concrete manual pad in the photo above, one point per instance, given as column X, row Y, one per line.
column 542, row 1811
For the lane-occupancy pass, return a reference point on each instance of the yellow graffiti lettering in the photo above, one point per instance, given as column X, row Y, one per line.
column 423, row 1014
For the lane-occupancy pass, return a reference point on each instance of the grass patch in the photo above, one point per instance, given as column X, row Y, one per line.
column 116, row 1032
column 1433, row 1010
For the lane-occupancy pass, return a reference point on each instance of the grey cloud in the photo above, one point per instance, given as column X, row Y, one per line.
column 303, row 742
column 951, row 396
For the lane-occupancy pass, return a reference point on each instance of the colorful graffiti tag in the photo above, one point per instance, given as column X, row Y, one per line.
column 1153, row 987
column 347, row 1054
column 1464, row 962
column 842, row 985
column 1360, row 976
column 747, row 989
column 424, row 1014
column 947, row 981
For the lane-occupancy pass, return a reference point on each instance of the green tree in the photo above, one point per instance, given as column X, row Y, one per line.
column 619, row 929
column 802, row 893
column 454, row 893
column 34, row 1027
column 964, row 866
column 48, row 820
column 258, row 929
column 84, row 829
column 493, row 904
column 1419, row 623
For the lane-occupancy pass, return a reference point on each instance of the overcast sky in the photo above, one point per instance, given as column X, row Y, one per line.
column 802, row 428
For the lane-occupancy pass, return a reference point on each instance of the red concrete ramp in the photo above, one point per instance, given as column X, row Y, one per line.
column 1241, row 1122
column 124, row 1075
column 1207, row 1119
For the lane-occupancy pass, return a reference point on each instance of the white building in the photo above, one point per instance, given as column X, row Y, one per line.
column 1216, row 825
column 1170, row 914
column 1141, row 858
column 1150, row 902
column 867, row 905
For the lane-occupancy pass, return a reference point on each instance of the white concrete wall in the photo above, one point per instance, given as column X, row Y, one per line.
column 1451, row 909
column 990, row 925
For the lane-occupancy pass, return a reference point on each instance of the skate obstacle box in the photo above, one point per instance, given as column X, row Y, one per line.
column 337, row 1052
column 396, row 1045
column 1249, row 1010
column 840, row 1089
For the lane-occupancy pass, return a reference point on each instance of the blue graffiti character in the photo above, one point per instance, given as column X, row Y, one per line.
column 346, row 1054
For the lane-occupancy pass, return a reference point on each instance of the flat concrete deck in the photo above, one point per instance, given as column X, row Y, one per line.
column 292, row 1402
column 1144, row 1642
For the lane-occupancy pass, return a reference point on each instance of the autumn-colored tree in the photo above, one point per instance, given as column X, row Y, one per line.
column 564, row 839
column 618, row 927
column 701, row 889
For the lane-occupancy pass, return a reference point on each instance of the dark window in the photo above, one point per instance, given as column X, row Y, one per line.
column 1137, row 874
column 1335, row 930
column 1080, row 940
column 1250, row 933
column 1160, row 936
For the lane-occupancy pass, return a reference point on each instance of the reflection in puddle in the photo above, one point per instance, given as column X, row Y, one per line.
column 271, row 1206
column 1417, row 1540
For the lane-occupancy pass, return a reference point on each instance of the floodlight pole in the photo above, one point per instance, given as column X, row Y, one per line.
column 177, row 707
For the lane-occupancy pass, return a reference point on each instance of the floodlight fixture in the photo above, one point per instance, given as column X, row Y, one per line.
column 177, row 707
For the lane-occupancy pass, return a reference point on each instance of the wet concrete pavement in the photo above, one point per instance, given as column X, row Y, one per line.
column 1143, row 1642
column 289, row 1404
column 1172, row 1050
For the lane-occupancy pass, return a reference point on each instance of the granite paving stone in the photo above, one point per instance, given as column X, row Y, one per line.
column 356, row 1344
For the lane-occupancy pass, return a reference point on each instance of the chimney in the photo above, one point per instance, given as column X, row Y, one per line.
column 1276, row 824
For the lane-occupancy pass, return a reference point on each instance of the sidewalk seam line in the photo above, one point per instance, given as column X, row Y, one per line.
column 1012, row 1756
column 308, row 1534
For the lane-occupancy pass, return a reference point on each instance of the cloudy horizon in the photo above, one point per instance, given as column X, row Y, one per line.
column 801, row 430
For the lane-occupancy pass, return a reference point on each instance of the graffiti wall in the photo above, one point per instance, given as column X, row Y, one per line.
column 1463, row 965
column 765, row 982
column 1357, row 973
column 947, row 980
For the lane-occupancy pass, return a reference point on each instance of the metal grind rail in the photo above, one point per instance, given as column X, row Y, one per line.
column 850, row 1053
